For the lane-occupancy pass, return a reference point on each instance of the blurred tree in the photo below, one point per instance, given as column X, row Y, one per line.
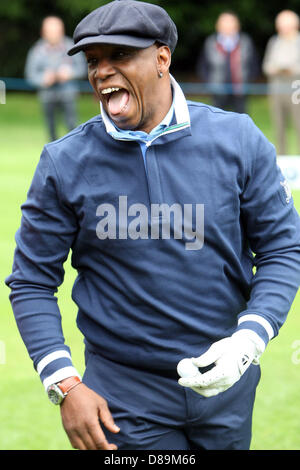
column 20, row 22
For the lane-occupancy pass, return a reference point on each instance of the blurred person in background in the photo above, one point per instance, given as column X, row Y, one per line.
column 228, row 61
column 52, row 71
column 281, row 65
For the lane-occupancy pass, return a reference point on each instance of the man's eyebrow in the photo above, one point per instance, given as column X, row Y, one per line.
column 89, row 50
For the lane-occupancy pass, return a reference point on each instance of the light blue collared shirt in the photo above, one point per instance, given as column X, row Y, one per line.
column 142, row 137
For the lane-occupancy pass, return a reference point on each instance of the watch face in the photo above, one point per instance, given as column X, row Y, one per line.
column 55, row 394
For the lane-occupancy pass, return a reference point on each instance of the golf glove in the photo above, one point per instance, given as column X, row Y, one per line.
column 232, row 356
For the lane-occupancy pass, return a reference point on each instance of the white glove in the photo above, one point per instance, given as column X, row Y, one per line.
column 232, row 357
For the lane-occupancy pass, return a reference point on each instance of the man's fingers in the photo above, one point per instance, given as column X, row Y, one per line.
column 98, row 438
column 207, row 392
column 106, row 418
column 215, row 376
column 212, row 354
column 89, row 441
column 90, row 437
column 76, row 441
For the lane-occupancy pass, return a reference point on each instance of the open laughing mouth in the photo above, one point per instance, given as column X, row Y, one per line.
column 116, row 99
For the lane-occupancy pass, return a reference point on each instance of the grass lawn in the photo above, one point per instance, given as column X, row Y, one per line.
column 28, row 420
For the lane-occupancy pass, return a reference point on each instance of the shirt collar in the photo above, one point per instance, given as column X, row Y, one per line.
column 143, row 136
column 228, row 42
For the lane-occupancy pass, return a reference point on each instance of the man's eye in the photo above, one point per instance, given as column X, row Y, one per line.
column 91, row 61
column 122, row 54
column 119, row 55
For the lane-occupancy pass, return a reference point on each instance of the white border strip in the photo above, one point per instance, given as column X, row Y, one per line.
column 51, row 357
column 258, row 319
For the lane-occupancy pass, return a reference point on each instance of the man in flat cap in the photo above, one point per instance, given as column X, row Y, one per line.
column 167, row 206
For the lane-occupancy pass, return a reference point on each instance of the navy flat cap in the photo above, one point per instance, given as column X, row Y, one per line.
column 125, row 22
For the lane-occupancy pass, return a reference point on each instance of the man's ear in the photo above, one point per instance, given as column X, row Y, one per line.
column 163, row 59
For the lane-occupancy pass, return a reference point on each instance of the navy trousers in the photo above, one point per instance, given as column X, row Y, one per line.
column 155, row 413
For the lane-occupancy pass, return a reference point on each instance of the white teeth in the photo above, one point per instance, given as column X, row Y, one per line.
column 109, row 90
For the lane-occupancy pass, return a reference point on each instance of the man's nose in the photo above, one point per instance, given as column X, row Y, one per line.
column 104, row 69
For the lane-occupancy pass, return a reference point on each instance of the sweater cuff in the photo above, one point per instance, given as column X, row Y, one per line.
column 55, row 367
column 257, row 324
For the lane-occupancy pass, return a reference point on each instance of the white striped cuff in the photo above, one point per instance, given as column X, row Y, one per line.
column 56, row 366
column 51, row 357
column 260, row 320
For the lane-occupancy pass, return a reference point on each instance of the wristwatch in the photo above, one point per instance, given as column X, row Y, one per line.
column 58, row 392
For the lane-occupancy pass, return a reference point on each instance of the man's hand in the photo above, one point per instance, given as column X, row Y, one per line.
column 64, row 73
column 232, row 356
column 82, row 411
column 49, row 78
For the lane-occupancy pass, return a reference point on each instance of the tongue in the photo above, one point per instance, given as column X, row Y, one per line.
column 118, row 101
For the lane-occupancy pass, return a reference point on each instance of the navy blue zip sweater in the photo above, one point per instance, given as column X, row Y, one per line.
column 165, row 258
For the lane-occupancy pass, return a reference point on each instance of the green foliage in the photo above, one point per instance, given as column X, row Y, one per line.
column 20, row 25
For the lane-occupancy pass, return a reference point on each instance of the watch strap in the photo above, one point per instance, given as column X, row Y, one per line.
column 68, row 384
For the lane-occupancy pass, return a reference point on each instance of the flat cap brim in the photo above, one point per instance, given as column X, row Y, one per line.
column 121, row 40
